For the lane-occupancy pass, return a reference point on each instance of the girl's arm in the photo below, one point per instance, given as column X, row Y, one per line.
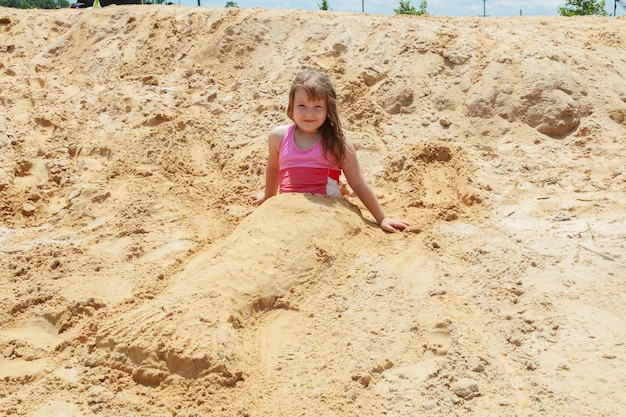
column 272, row 169
column 352, row 171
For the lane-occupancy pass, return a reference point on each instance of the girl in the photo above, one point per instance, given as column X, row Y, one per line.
column 309, row 155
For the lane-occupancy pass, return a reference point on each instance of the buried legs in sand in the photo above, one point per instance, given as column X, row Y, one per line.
column 192, row 328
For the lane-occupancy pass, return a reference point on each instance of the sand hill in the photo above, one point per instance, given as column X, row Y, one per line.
column 137, row 279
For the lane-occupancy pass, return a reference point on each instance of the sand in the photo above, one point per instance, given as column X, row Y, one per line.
column 137, row 279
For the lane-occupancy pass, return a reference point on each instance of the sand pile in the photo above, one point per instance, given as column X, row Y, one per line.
column 138, row 280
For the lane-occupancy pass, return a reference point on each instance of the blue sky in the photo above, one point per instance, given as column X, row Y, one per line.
column 494, row 8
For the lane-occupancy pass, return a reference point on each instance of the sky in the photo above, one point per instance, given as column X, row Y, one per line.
column 492, row 8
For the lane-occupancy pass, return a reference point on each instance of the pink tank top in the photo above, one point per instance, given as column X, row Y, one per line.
column 306, row 171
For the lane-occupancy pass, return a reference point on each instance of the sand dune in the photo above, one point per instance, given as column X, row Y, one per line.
column 137, row 279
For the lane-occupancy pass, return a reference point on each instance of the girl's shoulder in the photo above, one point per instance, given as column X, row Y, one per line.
column 276, row 136
column 280, row 131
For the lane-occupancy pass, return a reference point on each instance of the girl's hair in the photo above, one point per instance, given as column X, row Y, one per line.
column 319, row 87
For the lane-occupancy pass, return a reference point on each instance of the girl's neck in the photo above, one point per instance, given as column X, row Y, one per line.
column 306, row 140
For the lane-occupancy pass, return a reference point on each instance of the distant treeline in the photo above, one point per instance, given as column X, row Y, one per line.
column 59, row 4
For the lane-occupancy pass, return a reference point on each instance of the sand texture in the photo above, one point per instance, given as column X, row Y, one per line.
column 137, row 279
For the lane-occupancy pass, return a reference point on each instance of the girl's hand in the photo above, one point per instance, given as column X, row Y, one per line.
column 393, row 225
column 258, row 198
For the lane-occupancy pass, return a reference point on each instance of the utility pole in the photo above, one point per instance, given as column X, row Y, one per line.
column 362, row 6
column 484, row 8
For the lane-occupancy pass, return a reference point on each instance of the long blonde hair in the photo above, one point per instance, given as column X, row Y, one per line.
column 319, row 87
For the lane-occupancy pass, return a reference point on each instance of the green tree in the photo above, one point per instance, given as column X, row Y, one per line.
column 323, row 5
column 11, row 3
column 231, row 4
column 583, row 8
column 406, row 8
column 35, row 4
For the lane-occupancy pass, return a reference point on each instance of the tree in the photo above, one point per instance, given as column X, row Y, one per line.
column 35, row 4
column 583, row 8
column 323, row 5
column 406, row 8
column 231, row 4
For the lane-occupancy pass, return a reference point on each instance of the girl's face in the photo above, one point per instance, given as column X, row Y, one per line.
column 308, row 113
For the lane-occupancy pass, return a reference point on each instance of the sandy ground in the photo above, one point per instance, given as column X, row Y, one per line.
column 138, row 280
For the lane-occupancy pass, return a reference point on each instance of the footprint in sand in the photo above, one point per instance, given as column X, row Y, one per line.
column 192, row 328
column 439, row 340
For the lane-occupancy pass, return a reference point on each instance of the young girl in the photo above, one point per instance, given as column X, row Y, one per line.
column 309, row 155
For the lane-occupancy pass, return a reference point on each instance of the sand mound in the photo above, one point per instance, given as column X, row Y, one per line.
column 137, row 278
column 190, row 329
